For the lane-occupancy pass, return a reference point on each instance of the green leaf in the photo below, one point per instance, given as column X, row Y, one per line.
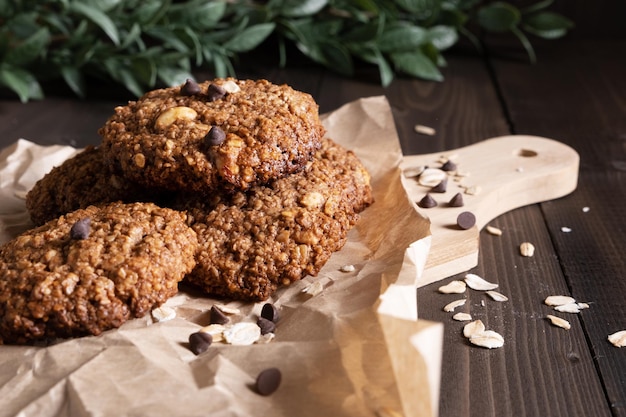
column 99, row 18
column 299, row 8
column 442, row 37
column 499, row 17
column 336, row 57
column 526, row 43
column 402, row 38
column 547, row 25
column 421, row 9
column 416, row 64
column 538, row 6
column 74, row 80
column 30, row 49
column 250, row 38
column 22, row 82
column 129, row 80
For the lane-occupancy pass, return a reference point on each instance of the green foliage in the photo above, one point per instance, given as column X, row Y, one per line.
column 142, row 44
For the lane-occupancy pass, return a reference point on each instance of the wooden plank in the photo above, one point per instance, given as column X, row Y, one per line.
column 582, row 103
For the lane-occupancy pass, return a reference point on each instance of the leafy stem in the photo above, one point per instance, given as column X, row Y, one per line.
column 141, row 44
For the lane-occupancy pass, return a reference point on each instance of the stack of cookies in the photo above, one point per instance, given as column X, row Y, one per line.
column 229, row 185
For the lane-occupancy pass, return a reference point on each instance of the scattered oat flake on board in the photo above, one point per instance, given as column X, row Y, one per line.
column 454, row 304
column 618, row 339
column 527, row 249
column 487, row 339
column 494, row 231
column 568, row 308
column 496, row 296
column 475, row 327
column 586, row 209
column 431, row 177
column 558, row 300
column 565, row 229
column 453, row 287
column 424, row 130
column 559, row 322
column 478, row 283
column 473, row 190
column 462, row 317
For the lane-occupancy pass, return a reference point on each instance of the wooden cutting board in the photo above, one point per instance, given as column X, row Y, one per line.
column 493, row 176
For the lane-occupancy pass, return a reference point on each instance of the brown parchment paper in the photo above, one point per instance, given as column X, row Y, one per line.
column 356, row 349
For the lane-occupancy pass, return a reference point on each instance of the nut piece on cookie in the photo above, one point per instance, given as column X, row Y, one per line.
column 73, row 277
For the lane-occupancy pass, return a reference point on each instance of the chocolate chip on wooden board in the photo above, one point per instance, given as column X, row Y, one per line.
column 268, row 381
column 456, row 200
column 427, row 202
column 466, row 220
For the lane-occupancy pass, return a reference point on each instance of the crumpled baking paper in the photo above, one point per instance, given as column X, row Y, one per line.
column 355, row 349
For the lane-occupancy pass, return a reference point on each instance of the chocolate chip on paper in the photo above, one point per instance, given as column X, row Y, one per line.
column 200, row 342
column 268, row 381
column 217, row 316
column 270, row 312
column 456, row 200
column 267, row 326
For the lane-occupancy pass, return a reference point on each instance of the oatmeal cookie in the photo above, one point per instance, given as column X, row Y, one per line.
column 224, row 133
column 83, row 180
column 91, row 270
column 255, row 241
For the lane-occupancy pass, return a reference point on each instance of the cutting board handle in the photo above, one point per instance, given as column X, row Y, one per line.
column 506, row 172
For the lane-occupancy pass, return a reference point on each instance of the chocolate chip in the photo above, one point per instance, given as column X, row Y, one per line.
column 270, row 312
column 427, row 202
column 268, row 381
column 199, row 342
column 216, row 136
column 190, row 88
column 448, row 166
column 456, row 201
column 215, row 92
column 217, row 316
column 267, row 326
column 80, row 229
column 441, row 187
column 466, row 220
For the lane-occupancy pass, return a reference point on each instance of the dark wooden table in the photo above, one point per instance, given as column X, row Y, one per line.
column 575, row 94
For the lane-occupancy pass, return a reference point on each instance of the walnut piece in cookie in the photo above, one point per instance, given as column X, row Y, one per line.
column 255, row 241
column 92, row 270
column 223, row 133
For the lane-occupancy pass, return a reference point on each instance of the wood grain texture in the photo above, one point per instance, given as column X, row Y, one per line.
column 592, row 255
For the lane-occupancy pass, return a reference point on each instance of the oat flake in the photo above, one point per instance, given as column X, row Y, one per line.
column 559, row 322
column 462, row 317
column 558, row 300
column 618, row 339
column 454, row 304
column 488, row 339
column 496, row 296
column 475, row 327
column 477, row 283
column 453, row 287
